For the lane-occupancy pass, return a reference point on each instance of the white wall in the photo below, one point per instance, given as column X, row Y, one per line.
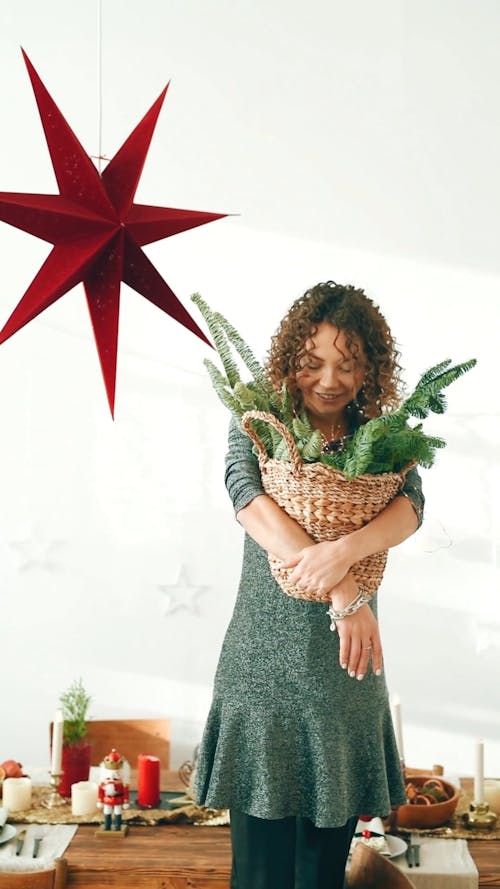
column 358, row 141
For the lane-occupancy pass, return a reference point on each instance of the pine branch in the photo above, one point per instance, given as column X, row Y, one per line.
column 219, row 383
column 264, row 431
column 312, row 449
column 219, row 339
column 427, row 393
column 433, row 372
column 384, row 444
column 245, row 396
column 250, row 361
column 285, row 412
column 242, row 349
column 301, row 429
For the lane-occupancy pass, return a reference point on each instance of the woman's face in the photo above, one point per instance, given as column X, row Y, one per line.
column 331, row 374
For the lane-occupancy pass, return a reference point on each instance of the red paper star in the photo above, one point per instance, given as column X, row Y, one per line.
column 97, row 231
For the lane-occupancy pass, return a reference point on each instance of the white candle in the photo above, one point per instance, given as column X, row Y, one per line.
column 479, row 773
column 84, row 798
column 398, row 728
column 492, row 794
column 57, row 743
column 16, row 794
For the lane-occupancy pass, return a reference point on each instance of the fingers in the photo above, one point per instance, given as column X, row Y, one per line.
column 359, row 647
column 376, row 655
column 365, row 655
column 292, row 562
column 345, row 647
column 314, row 567
column 300, row 576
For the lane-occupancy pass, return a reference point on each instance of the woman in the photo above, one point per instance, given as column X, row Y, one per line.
column 299, row 739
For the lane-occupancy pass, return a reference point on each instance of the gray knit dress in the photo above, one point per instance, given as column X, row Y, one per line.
column 289, row 732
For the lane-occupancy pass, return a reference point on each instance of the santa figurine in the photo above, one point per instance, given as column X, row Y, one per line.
column 113, row 791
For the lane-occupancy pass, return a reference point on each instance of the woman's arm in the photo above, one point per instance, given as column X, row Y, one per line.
column 319, row 567
column 280, row 535
column 272, row 528
column 260, row 515
column 392, row 526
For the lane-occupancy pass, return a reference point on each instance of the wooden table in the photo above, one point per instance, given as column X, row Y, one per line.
column 187, row 857
column 166, row 857
column 173, row 857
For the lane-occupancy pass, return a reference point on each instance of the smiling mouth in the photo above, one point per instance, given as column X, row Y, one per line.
column 329, row 396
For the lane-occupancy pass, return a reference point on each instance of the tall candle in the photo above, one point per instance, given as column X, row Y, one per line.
column 398, row 727
column 57, row 743
column 479, row 772
column 84, row 798
column 16, row 794
column 148, row 780
column 492, row 794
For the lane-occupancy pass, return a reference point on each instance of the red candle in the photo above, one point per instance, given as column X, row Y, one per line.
column 148, row 780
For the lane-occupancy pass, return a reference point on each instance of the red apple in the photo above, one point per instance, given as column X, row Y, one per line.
column 12, row 768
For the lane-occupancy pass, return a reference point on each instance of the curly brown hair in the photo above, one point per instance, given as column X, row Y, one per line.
column 349, row 309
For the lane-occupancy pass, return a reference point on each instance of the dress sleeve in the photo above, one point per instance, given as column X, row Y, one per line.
column 412, row 489
column 242, row 476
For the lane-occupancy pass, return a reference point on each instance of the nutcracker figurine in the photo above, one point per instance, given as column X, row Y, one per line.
column 113, row 792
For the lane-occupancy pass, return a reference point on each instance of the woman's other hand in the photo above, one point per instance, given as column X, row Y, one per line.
column 358, row 634
column 320, row 567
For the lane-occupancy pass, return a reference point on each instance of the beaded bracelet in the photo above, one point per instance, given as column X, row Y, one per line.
column 357, row 603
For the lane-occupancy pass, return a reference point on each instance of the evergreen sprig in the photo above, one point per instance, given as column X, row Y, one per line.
column 388, row 443
column 384, row 444
column 239, row 396
column 75, row 702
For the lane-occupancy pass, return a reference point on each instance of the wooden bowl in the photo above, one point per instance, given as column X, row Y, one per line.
column 434, row 815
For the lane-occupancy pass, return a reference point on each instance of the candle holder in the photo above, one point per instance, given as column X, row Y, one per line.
column 54, row 799
column 479, row 817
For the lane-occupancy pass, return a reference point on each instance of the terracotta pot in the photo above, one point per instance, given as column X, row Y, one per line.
column 434, row 815
column 75, row 765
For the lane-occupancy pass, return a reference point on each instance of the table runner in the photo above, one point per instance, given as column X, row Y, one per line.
column 188, row 813
column 444, row 864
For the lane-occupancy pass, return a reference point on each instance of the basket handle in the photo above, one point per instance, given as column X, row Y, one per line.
column 246, row 423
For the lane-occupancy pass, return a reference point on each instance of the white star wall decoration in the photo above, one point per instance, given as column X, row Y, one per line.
column 37, row 553
column 182, row 595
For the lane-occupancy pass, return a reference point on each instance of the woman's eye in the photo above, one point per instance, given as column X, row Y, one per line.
column 309, row 365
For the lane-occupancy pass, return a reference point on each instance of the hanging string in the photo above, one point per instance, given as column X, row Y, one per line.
column 99, row 50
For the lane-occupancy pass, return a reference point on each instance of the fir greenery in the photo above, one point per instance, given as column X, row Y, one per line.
column 75, row 702
column 385, row 444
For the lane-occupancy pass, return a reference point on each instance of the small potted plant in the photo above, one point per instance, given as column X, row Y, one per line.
column 76, row 752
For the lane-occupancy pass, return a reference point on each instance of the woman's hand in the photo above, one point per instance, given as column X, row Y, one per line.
column 358, row 634
column 320, row 567
column 325, row 568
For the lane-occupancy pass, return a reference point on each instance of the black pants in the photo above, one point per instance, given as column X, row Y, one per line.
column 288, row 853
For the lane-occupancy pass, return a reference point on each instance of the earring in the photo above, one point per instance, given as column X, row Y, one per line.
column 356, row 407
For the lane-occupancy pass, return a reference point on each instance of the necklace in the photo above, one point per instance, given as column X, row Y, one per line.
column 335, row 442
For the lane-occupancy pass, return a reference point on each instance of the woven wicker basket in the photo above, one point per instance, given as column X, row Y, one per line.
column 326, row 503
